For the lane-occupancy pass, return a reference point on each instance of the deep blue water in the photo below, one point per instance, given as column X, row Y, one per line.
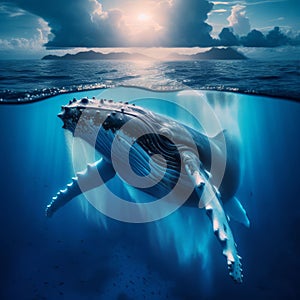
column 80, row 254
column 36, row 79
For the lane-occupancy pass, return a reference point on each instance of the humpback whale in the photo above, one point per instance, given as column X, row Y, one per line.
column 164, row 154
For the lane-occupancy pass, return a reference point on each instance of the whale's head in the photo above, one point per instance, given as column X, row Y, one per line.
column 99, row 121
column 89, row 113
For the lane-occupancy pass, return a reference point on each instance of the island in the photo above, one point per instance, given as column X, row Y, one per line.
column 92, row 55
column 212, row 54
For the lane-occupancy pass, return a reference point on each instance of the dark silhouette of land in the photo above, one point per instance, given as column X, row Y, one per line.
column 214, row 53
column 92, row 55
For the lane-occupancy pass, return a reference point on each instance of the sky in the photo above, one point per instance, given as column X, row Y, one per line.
column 31, row 28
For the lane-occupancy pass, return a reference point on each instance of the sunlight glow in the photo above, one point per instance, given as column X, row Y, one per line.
column 144, row 17
column 142, row 26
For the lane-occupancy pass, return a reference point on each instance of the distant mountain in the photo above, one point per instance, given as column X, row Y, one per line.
column 214, row 53
column 92, row 55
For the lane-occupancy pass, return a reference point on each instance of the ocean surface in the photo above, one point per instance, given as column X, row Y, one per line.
column 26, row 80
column 82, row 254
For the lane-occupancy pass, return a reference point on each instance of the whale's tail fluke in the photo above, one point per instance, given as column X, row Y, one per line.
column 236, row 211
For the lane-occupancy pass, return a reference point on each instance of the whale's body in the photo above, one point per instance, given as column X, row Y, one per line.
column 174, row 150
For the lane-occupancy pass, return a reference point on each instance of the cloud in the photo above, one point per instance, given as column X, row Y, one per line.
column 169, row 23
column 227, row 38
column 255, row 38
column 33, row 44
column 219, row 11
column 184, row 24
column 276, row 38
column 245, row 2
column 238, row 20
column 23, row 34
column 296, row 40
column 22, row 47
column 10, row 10
column 85, row 23
column 238, row 33
column 221, row 3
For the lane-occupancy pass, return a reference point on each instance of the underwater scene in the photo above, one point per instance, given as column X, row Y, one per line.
column 85, row 252
column 149, row 149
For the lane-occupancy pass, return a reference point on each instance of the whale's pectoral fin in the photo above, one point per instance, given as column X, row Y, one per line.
column 95, row 175
column 192, row 168
column 210, row 200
